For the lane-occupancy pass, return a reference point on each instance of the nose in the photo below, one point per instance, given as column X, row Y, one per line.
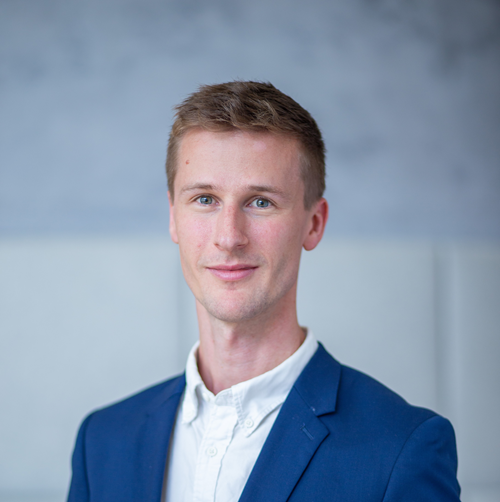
column 230, row 232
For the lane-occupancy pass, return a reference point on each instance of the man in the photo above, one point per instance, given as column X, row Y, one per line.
column 263, row 412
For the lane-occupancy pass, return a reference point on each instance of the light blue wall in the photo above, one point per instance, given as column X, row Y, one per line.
column 406, row 93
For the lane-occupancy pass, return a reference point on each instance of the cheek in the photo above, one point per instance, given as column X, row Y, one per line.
column 193, row 234
column 278, row 238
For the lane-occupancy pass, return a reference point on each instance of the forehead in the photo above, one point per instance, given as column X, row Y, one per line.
column 241, row 154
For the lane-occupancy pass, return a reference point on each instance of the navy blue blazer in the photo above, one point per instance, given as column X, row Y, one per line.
column 339, row 436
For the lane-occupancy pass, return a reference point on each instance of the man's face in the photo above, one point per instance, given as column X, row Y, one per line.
column 239, row 219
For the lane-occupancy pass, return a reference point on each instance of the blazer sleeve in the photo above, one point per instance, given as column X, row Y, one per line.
column 79, row 488
column 426, row 468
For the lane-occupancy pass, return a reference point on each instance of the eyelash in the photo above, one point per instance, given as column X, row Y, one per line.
column 198, row 199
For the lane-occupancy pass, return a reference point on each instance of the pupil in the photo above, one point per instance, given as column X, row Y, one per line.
column 262, row 203
column 205, row 200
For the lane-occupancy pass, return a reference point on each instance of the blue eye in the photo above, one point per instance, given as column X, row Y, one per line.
column 205, row 200
column 262, row 203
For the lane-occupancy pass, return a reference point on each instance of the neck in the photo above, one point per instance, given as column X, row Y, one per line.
column 230, row 353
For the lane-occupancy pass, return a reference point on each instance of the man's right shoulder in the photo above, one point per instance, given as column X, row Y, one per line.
column 132, row 409
column 114, row 442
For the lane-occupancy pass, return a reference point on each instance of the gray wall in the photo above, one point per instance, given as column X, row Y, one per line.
column 406, row 93
column 406, row 285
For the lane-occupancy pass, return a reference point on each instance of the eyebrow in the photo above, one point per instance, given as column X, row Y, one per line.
column 252, row 188
column 198, row 186
column 268, row 189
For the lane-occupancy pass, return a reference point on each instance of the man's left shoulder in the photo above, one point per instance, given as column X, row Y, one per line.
column 376, row 443
column 367, row 403
column 414, row 448
column 376, row 405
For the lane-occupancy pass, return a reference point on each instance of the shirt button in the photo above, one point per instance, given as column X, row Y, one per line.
column 212, row 451
column 248, row 423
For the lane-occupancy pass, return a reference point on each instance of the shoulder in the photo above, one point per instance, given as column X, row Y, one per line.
column 131, row 410
column 376, row 443
column 116, row 442
column 415, row 446
column 376, row 403
column 362, row 410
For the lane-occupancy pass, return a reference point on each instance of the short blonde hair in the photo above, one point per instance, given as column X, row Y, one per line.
column 251, row 106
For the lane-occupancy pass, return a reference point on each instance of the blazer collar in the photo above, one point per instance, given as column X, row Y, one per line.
column 292, row 442
column 173, row 389
column 319, row 382
column 297, row 432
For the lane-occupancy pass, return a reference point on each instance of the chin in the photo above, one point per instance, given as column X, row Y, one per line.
column 233, row 312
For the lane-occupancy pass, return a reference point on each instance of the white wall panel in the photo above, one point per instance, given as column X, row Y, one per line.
column 475, row 326
column 86, row 321
column 83, row 322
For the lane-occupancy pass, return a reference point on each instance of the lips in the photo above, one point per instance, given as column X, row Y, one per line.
column 232, row 272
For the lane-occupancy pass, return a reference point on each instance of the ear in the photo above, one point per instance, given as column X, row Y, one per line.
column 317, row 221
column 172, row 226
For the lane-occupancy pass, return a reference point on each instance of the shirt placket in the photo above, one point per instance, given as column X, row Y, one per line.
column 216, row 439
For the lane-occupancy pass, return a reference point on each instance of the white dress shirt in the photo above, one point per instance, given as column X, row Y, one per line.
column 217, row 439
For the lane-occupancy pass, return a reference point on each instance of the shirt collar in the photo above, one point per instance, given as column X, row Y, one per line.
column 253, row 399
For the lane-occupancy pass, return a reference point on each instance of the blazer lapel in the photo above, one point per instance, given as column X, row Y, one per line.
column 153, row 443
column 297, row 432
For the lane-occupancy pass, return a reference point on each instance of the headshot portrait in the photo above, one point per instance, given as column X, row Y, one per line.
column 249, row 251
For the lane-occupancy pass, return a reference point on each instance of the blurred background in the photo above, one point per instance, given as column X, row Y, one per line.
column 405, row 285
